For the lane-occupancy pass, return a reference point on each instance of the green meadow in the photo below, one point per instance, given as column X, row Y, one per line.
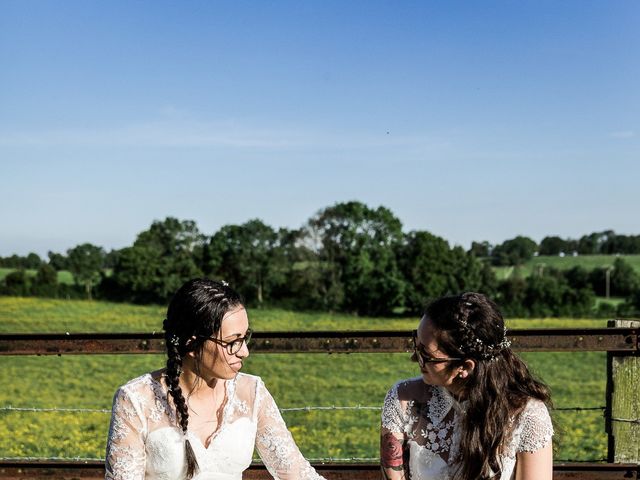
column 295, row 380
column 588, row 262
column 64, row 276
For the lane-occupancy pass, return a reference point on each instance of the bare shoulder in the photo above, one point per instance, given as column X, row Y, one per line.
column 414, row 389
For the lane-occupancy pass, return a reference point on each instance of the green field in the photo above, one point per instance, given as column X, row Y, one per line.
column 64, row 276
column 577, row 379
column 589, row 262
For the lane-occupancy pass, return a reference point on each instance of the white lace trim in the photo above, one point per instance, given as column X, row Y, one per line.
column 145, row 443
column 433, row 428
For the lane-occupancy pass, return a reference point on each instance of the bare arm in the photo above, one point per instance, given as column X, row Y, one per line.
column 536, row 465
column 391, row 456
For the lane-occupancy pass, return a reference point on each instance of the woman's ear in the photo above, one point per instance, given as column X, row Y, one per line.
column 467, row 368
column 191, row 353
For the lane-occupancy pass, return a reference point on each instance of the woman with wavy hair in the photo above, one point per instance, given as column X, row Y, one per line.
column 476, row 412
column 199, row 417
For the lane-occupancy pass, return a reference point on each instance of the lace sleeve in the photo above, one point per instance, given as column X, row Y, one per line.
column 125, row 458
column 393, row 416
column 275, row 444
column 537, row 428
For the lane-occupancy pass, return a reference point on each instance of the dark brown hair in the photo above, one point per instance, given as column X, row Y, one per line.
column 470, row 326
column 196, row 310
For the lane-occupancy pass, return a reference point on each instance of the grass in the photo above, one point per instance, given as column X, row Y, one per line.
column 577, row 379
column 29, row 314
column 588, row 262
column 64, row 276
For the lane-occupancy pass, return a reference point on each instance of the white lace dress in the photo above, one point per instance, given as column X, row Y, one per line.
column 145, row 443
column 428, row 418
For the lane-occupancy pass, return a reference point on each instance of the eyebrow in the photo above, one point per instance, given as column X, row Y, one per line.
column 237, row 335
column 422, row 348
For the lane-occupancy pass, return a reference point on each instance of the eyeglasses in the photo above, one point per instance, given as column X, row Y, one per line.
column 423, row 357
column 233, row 346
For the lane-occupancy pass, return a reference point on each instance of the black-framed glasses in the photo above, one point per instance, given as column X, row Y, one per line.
column 233, row 346
column 423, row 357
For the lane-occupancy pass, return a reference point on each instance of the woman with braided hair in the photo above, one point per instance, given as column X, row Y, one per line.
column 200, row 418
column 475, row 413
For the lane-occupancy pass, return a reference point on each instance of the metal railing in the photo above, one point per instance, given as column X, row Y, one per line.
column 620, row 341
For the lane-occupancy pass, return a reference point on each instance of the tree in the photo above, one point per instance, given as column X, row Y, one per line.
column 16, row 283
column 45, row 283
column 32, row 261
column 138, row 276
column 514, row 252
column 552, row 246
column 356, row 247
column 632, row 306
column 592, row 244
column 617, row 244
column 111, row 259
column 511, row 295
column 543, row 295
column 161, row 259
column 624, row 279
column 429, row 269
column 85, row 263
column 58, row 261
column 578, row 278
column 248, row 256
column 481, row 249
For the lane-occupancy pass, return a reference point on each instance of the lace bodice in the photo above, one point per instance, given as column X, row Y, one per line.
column 428, row 418
column 145, row 443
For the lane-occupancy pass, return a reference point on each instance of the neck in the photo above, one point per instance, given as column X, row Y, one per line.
column 194, row 385
column 457, row 392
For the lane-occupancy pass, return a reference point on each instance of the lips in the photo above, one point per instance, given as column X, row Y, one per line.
column 236, row 366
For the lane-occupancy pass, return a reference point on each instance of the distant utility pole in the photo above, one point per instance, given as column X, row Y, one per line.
column 541, row 269
column 607, row 282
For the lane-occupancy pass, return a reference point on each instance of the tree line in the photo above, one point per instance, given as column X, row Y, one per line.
column 347, row 257
column 518, row 250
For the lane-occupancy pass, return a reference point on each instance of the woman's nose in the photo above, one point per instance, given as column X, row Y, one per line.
column 244, row 351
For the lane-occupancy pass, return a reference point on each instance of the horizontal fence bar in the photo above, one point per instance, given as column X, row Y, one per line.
column 621, row 340
column 67, row 470
column 308, row 408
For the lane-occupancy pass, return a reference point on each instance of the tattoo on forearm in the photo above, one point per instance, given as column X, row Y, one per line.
column 391, row 452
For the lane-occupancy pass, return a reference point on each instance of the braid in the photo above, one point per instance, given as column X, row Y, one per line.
column 172, row 379
column 195, row 312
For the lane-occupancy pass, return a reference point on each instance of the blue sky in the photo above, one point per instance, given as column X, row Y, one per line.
column 472, row 120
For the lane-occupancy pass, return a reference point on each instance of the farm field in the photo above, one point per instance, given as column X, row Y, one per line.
column 295, row 380
column 588, row 262
column 64, row 276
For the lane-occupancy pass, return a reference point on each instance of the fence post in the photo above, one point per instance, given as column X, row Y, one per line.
column 623, row 402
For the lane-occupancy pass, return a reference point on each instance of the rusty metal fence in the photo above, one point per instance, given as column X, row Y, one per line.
column 615, row 341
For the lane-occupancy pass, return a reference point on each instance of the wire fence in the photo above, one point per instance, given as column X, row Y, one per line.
column 309, row 408
column 622, row 341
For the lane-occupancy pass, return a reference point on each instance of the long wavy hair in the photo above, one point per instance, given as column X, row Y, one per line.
column 196, row 310
column 470, row 326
